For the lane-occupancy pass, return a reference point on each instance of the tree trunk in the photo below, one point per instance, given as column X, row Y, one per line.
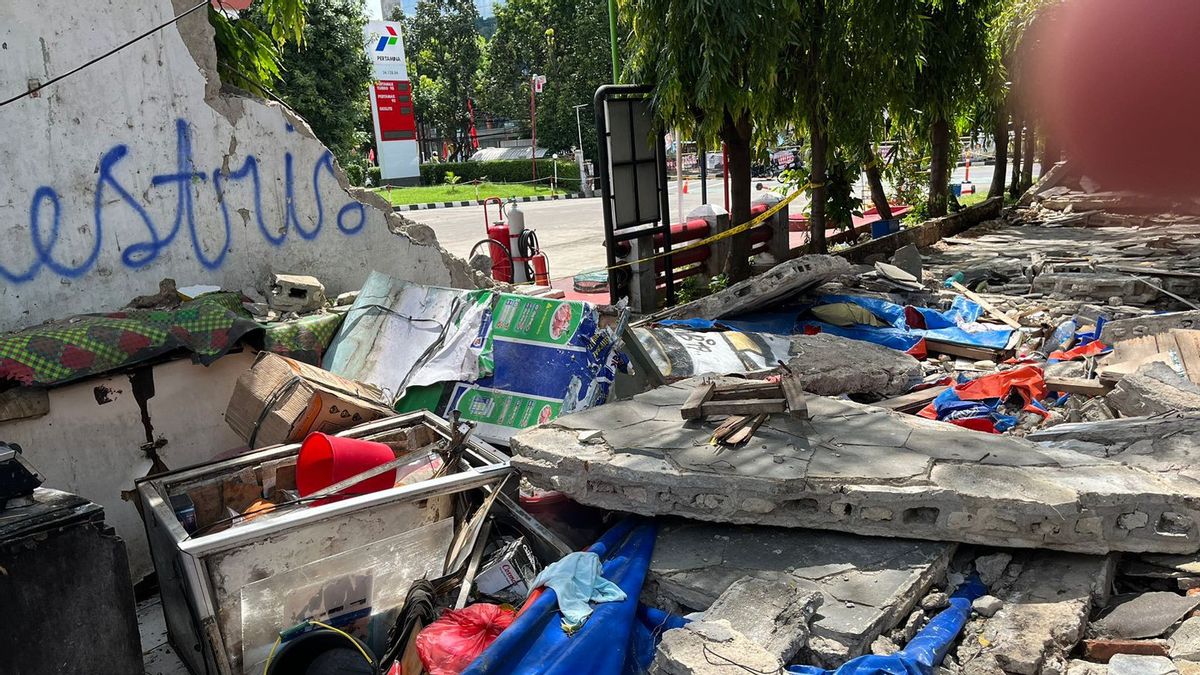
column 939, row 167
column 1000, row 166
column 1051, row 153
column 1029, row 154
column 1014, row 186
column 875, row 180
column 736, row 135
column 816, row 220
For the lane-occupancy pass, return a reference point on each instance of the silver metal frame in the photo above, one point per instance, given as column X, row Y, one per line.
column 482, row 465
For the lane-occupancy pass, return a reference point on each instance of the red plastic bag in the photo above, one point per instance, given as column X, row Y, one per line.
column 447, row 646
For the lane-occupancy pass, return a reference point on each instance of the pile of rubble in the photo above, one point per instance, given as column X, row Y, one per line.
column 977, row 458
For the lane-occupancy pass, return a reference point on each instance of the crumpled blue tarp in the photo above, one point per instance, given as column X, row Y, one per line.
column 577, row 581
column 618, row 639
column 957, row 325
column 924, row 652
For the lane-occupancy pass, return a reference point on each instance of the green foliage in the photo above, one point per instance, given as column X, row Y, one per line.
column 248, row 53
column 841, row 204
column 452, row 179
column 501, row 171
column 374, row 175
column 565, row 40
column 326, row 77
column 444, row 53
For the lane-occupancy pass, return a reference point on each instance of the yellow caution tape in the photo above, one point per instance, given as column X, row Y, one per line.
column 753, row 222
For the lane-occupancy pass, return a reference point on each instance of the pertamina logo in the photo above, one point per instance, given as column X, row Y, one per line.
column 388, row 40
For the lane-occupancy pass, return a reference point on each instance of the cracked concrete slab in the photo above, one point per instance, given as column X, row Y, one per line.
column 781, row 281
column 1044, row 614
column 868, row 584
column 864, row 470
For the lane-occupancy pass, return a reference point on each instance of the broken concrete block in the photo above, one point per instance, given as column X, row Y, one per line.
column 919, row 478
column 780, row 282
column 774, row 614
column 987, row 605
column 711, row 648
column 883, row 646
column 1185, row 641
column 825, row 364
column 1144, row 615
column 1154, row 324
column 991, row 567
column 935, row 601
column 868, row 585
column 1080, row 667
column 908, row 258
column 296, row 293
column 1130, row 664
column 1044, row 614
column 1155, row 388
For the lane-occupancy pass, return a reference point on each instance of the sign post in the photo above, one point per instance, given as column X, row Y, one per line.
column 392, row 105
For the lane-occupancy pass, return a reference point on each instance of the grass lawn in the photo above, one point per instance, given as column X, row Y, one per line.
column 973, row 199
column 463, row 192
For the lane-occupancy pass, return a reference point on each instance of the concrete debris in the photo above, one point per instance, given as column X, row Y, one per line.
column 296, row 293
column 777, row 284
column 859, row 469
column 1130, row 664
column 991, row 567
column 1185, row 641
column 908, row 258
column 1103, row 649
column 1044, row 613
column 711, row 648
column 1155, row 388
column 884, row 646
column 1080, row 667
column 1145, row 615
column 935, row 601
column 868, row 585
column 773, row 613
column 987, row 605
column 1154, row 324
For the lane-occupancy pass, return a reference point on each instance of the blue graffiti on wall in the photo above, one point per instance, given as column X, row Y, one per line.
column 45, row 211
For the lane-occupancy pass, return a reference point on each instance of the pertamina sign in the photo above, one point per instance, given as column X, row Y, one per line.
column 392, row 104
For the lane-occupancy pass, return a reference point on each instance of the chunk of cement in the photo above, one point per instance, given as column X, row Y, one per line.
column 858, row 469
column 772, row 613
column 908, row 258
column 780, row 282
column 1144, row 615
column 1132, row 664
column 1044, row 614
column 711, row 648
column 991, row 567
column 296, row 293
column 987, row 605
column 1155, row 388
column 1185, row 641
column 1081, row 667
column 1154, row 324
column 869, row 585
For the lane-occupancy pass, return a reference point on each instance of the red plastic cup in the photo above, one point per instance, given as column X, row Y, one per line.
column 325, row 460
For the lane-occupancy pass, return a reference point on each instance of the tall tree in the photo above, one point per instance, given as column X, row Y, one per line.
column 248, row 52
column 444, row 52
column 954, row 54
column 714, row 66
column 565, row 40
column 326, row 78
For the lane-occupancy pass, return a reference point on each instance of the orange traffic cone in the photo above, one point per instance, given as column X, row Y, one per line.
column 685, row 187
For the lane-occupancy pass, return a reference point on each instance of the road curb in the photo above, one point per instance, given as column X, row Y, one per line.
column 479, row 202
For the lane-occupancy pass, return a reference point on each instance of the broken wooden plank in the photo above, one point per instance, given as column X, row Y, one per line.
column 1078, row 385
column 726, row 392
column 742, row 435
column 967, row 352
column 987, row 306
column 763, row 406
column 796, row 399
column 913, row 400
column 691, row 408
column 728, row 427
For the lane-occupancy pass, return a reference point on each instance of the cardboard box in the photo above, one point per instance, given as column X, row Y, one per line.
column 280, row 400
column 507, row 575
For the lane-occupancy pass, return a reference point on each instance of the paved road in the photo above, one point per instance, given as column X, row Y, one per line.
column 571, row 231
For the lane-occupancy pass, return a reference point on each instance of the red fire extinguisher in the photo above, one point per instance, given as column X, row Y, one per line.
column 497, row 232
column 541, row 268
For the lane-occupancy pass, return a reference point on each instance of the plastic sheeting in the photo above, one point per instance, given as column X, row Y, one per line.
column 620, row 637
column 980, row 399
column 924, row 652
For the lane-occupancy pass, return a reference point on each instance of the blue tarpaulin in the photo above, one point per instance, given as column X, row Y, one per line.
column 924, row 652
column 907, row 325
column 618, row 638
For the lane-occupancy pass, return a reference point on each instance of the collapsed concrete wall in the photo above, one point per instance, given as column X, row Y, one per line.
column 142, row 167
